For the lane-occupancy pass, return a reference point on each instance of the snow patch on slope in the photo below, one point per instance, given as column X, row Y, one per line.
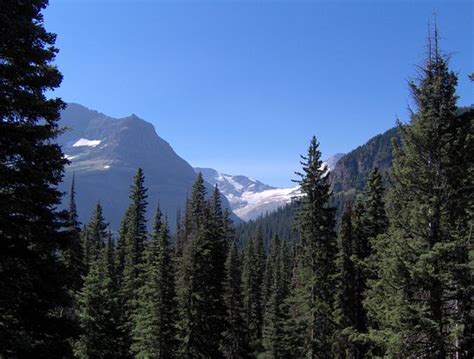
column 85, row 142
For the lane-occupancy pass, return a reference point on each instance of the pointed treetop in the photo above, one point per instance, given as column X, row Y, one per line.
column 158, row 219
column 72, row 208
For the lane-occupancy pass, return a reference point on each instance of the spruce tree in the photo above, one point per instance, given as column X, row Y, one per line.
column 219, row 248
column 370, row 221
column 252, row 283
column 316, row 222
column 74, row 256
column 234, row 345
column 423, row 298
column 134, row 234
column 154, row 317
column 96, row 236
column 275, row 318
column 348, row 303
column 199, row 291
column 34, row 288
column 375, row 221
column 98, row 311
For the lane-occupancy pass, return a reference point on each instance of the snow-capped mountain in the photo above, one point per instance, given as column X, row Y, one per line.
column 250, row 198
column 105, row 153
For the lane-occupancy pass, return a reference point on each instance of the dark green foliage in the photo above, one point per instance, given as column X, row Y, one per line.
column 279, row 223
column 155, row 316
column 98, row 310
column 201, row 276
column 95, row 236
column 276, row 308
column 74, row 256
column 348, row 299
column 376, row 221
column 234, row 337
column 133, row 236
column 354, row 168
column 34, row 290
column 423, row 298
column 315, row 285
column 252, row 283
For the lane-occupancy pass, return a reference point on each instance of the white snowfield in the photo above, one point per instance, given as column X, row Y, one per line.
column 85, row 142
column 250, row 198
column 253, row 204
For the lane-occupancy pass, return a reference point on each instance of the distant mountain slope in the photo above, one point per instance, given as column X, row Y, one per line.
column 249, row 198
column 105, row 154
column 352, row 169
column 348, row 178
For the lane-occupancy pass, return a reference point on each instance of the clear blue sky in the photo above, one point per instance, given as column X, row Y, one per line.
column 242, row 86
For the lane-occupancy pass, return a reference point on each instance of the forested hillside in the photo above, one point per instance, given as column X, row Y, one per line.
column 393, row 280
column 348, row 179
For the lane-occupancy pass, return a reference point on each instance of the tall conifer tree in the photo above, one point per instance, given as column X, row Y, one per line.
column 74, row 255
column 155, row 316
column 34, row 290
column 318, row 240
column 98, row 311
column 199, row 290
column 233, row 341
column 130, row 252
column 252, row 282
column 96, row 236
column 348, row 303
column 423, row 298
column 275, row 318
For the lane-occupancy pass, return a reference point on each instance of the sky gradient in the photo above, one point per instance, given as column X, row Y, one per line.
column 242, row 86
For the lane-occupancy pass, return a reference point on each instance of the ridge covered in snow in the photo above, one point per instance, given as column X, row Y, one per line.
column 250, row 198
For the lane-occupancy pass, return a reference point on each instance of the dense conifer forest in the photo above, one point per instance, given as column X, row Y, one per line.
column 392, row 279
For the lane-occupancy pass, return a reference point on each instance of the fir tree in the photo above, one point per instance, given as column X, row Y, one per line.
column 376, row 221
column 34, row 288
column 98, row 311
column 199, row 291
column 134, row 233
column 219, row 248
column 252, row 283
column 370, row 221
column 233, row 342
column 348, row 303
column 74, row 255
column 154, row 318
column 275, row 319
column 96, row 236
column 423, row 298
column 316, row 226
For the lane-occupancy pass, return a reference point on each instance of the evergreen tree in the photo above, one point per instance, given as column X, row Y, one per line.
column 252, row 283
column 96, row 236
column 198, row 289
column 375, row 221
column 154, row 318
column 423, row 298
column 318, row 252
column 348, row 303
column 98, row 311
column 73, row 256
column 275, row 319
column 34, row 288
column 233, row 342
column 134, row 233
column 370, row 221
